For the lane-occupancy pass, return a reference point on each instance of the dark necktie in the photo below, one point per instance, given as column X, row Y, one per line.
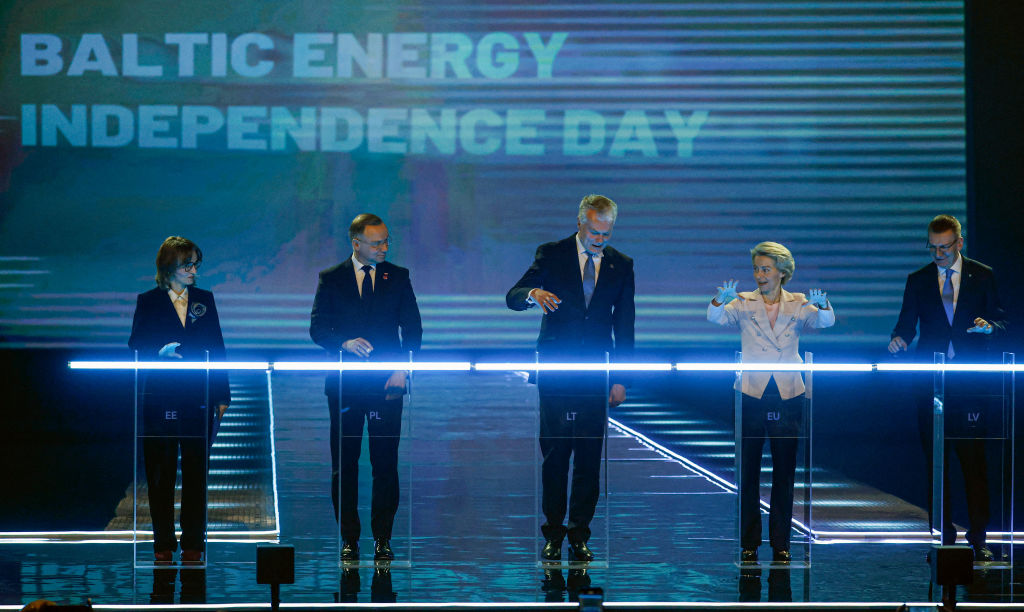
column 367, row 292
column 947, row 304
column 589, row 279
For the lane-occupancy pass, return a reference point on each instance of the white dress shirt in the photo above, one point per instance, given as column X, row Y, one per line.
column 957, row 266
column 360, row 274
column 582, row 252
column 180, row 303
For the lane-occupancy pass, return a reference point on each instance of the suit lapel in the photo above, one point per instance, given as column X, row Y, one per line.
column 347, row 280
column 967, row 289
column 572, row 267
column 933, row 293
column 606, row 278
column 760, row 318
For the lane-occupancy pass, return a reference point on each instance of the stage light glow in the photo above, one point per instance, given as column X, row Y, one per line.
column 528, row 366
column 949, row 367
column 378, row 366
column 168, row 365
column 573, row 367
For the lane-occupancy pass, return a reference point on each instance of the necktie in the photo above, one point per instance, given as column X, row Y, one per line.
column 589, row 279
column 947, row 304
column 367, row 291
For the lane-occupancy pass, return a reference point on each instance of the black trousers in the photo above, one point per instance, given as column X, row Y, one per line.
column 383, row 420
column 571, row 427
column 969, row 418
column 169, row 429
column 780, row 422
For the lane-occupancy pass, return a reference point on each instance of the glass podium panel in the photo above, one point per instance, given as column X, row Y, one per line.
column 371, row 471
column 780, row 428
column 172, row 433
column 472, row 447
column 572, row 494
column 972, row 456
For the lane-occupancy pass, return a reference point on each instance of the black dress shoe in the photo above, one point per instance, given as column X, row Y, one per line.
column 552, row 550
column 350, row 551
column 983, row 554
column 578, row 551
column 781, row 556
column 382, row 551
column 748, row 555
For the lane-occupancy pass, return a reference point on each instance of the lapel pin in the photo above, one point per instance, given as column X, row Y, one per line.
column 384, row 276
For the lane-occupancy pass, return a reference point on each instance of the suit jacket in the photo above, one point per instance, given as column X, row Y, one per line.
column 389, row 320
column 156, row 324
column 762, row 343
column 575, row 331
column 922, row 305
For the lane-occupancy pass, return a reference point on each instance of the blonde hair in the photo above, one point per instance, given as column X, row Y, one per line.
column 783, row 259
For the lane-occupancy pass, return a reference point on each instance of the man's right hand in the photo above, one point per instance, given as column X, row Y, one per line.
column 897, row 345
column 359, row 347
column 548, row 301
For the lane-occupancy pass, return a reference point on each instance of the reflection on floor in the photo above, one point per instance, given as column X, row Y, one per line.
column 665, row 532
column 842, row 508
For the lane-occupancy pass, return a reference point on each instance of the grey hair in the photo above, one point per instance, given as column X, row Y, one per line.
column 606, row 209
column 783, row 259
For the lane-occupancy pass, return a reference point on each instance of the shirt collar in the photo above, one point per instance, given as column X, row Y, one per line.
column 175, row 296
column 582, row 251
column 957, row 266
column 359, row 266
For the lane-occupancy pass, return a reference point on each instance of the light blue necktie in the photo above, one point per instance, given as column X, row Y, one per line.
column 589, row 279
column 947, row 304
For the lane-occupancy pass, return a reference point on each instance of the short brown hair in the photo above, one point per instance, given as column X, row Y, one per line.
column 944, row 223
column 172, row 253
column 360, row 223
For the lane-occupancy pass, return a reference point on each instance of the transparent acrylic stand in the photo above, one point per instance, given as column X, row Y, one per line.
column 785, row 428
column 973, row 420
column 572, row 421
column 378, row 482
column 164, row 427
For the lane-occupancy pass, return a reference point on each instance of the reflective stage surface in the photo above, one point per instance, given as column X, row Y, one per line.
column 671, row 524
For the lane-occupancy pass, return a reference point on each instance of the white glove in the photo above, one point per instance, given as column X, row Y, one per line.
column 727, row 293
column 169, row 351
column 817, row 297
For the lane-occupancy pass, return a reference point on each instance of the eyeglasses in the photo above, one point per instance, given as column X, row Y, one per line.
column 190, row 264
column 377, row 243
column 942, row 247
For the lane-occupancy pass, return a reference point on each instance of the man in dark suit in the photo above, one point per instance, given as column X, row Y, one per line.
column 585, row 289
column 954, row 301
column 366, row 308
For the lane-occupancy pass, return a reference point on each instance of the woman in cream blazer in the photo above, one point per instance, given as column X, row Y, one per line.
column 770, row 321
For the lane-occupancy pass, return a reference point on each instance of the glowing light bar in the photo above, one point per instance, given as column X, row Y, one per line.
column 378, row 366
column 514, row 366
column 168, row 365
column 950, row 367
column 573, row 367
column 773, row 367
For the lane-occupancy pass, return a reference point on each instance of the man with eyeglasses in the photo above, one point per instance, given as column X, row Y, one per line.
column 366, row 310
column 585, row 290
column 954, row 302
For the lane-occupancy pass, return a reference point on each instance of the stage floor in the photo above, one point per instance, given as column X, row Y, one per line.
column 470, row 454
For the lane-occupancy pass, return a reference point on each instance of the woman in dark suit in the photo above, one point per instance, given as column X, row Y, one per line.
column 770, row 320
column 177, row 320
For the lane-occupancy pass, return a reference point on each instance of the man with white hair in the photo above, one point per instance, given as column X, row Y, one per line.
column 585, row 289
